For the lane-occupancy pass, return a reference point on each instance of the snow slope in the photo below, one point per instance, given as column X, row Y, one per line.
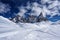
column 29, row 31
column 7, row 27
column 41, row 31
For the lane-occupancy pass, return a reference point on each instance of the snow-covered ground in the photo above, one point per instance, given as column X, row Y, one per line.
column 7, row 28
column 29, row 31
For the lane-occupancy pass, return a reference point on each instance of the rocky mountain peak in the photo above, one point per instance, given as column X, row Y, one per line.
column 30, row 19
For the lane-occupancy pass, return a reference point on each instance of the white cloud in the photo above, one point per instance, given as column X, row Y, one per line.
column 44, row 1
column 36, row 9
column 4, row 8
column 54, row 3
column 22, row 11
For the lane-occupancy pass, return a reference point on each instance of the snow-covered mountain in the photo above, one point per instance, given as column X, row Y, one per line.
column 29, row 19
column 44, row 30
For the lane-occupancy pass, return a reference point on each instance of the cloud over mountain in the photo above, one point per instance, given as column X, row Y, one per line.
column 47, row 7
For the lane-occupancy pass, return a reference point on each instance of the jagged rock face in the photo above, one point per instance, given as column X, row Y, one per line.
column 41, row 18
column 30, row 19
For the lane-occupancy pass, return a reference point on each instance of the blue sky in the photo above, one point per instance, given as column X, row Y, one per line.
column 13, row 7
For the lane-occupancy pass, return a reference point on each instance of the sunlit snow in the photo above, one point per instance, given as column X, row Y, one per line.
column 29, row 31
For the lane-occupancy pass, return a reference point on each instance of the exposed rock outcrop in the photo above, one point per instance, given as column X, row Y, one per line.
column 30, row 19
